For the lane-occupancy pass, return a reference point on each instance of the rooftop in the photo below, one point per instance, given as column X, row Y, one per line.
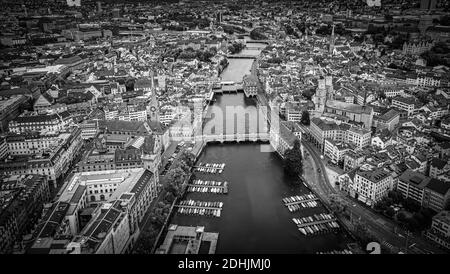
column 438, row 186
column 389, row 115
column 343, row 106
column 374, row 176
column 51, row 221
column 414, row 178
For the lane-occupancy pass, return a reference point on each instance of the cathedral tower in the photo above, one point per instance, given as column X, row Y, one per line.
column 331, row 48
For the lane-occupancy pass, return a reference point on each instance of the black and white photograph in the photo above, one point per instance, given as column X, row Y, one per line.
column 231, row 129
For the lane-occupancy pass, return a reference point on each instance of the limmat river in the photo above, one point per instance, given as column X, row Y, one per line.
column 254, row 218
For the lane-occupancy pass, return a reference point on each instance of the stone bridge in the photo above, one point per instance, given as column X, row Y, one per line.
column 237, row 137
column 241, row 56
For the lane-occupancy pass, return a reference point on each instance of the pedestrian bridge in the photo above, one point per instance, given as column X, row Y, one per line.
column 238, row 137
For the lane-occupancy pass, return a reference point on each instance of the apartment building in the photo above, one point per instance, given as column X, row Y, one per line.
column 368, row 186
column 358, row 136
column 353, row 159
column 440, row 229
column 31, row 122
column 107, row 233
column 427, row 192
column 53, row 161
column 438, row 167
column 89, row 129
column 10, row 109
column 388, row 120
column 22, row 200
column 417, row 48
column 322, row 129
column 335, row 151
column 408, row 104
column 372, row 186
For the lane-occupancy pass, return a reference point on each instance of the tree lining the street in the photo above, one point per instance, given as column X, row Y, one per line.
column 292, row 163
column 305, row 118
column 412, row 216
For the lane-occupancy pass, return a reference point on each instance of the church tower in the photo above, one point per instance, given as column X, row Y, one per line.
column 320, row 97
column 154, row 104
column 331, row 48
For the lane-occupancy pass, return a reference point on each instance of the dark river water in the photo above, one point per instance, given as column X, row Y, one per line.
column 254, row 218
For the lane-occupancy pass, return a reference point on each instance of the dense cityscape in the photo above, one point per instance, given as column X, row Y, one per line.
column 225, row 127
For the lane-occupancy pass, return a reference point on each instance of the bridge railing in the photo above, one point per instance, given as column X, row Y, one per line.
column 234, row 137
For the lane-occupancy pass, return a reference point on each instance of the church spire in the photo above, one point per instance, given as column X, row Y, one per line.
column 332, row 40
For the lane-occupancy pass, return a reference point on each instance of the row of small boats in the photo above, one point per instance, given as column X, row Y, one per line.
column 201, row 204
column 212, row 165
column 301, row 205
column 209, row 170
column 314, row 218
column 294, row 199
column 208, row 183
column 323, row 216
column 200, row 211
column 319, row 228
column 204, row 189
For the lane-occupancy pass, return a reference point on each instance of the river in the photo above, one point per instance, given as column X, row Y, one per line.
column 254, row 218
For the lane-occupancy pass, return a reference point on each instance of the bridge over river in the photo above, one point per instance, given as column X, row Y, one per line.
column 236, row 137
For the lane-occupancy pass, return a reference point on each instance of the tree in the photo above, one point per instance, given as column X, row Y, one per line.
column 293, row 160
column 390, row 212
column 146, row 241
column 236, row 48
column 305, row 118
column 445, row 21
column 396, row 196
column 337, row 204
column 257, row 34
column 170, row 197
column 309, row 93
column 401, row 217
column 173, row 180
column 157, row 218
column 129, row 84
column 187, row 158
column 172, row 188
column 363, row 233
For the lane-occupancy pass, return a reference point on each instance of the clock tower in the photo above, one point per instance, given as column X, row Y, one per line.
column 154, row 104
